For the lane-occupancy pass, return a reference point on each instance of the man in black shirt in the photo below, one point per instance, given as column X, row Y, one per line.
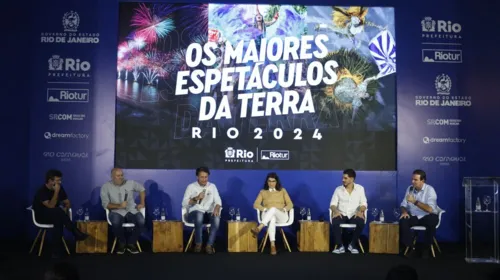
column 47, row 210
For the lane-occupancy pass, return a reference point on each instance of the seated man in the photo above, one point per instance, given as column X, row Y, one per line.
column 348, row 206
column 117, row 195
column 47, row 207
column 418, row 208
column 204, row 205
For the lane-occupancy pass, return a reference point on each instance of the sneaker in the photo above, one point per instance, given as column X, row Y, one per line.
column 133, row 249
column 352, row 249
column 121, row 249
column 210, row 250
column 197, row 248
column 339, row 250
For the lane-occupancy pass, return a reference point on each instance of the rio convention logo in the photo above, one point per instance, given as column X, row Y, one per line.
column 71, row 35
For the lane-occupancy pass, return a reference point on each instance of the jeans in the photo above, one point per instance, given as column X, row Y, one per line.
column 117, row 221
column 59, row 219
column 429, row 221
column 199, row 218
column 337, row 232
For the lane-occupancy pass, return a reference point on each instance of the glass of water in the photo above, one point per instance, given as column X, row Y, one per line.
column 156, row 212
column 302, row 212
column 374, row 213
column 397, row 213
column 79, row 212
column 232, row 212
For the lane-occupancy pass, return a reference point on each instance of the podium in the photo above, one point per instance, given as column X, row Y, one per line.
column 481, row 219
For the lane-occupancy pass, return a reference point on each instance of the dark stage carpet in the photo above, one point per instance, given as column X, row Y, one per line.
column 449, row 265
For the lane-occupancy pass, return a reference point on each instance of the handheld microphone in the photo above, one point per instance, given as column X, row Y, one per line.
column 126, row 196
column 199, row 201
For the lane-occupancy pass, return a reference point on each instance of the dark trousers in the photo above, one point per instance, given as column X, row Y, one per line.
column 59, row 219
column 117, row 221
column 199, row 218
column 429, row 221
column 337, row 232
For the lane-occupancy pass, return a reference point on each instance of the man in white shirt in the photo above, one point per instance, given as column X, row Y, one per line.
column 348, row 206
column 204, row 205
column 418, row 208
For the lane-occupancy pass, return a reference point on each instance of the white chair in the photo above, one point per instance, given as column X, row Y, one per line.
column 350, row 226
column 191, row 225
column 126, row 225
column 416, row 229
column 43, row 230
column 280, row 226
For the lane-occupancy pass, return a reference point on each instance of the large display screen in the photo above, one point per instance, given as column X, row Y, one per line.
column 237, row 86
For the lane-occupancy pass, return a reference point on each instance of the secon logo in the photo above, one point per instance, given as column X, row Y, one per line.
column 67, row 95
column 443, row 121
column 66, row 117
column 430, row 140
column 238, row 155
column 53, row 135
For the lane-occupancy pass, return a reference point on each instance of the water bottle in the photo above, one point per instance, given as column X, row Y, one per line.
column 238, row 216
column 308, row 214
column 478, row 205
column 87, row 215
column 162, row 214
column 381, row 218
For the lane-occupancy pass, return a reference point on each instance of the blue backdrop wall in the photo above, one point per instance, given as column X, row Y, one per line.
column 86, row 163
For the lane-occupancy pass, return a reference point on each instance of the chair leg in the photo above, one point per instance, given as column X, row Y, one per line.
column 41, row 244
column 189, row 241
column 65, row 246
column 432, row 251
column 437, row 245
column 285, row 240
column 361, row 246
column 139, row 246
column 36, row 239
column 263, row 243
column 414, row 240
column 406, row 250
column 113, row 247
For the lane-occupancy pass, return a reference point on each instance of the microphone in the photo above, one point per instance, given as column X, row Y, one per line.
column 126, row 196
column 199, row 201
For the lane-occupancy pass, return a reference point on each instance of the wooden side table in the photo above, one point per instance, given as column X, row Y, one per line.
column 384, row 238
column 240, row 237
column 168, row 236
column 313, row 236
column 97, row 242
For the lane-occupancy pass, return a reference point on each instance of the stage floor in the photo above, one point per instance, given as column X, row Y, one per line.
column 222, row 265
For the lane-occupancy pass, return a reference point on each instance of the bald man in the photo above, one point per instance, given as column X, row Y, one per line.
column 117, row 196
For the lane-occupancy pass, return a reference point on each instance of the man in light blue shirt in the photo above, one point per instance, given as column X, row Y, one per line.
column 419, row 208
column 204, row 205
column 117, row 196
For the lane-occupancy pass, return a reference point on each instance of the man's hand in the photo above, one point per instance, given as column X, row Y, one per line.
column 336, row 214
column 360, row 215
column 404, row 216
column 123, row 205
column 56, row 187
column 140, row 206
column 217, row 211
column 410, row 198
